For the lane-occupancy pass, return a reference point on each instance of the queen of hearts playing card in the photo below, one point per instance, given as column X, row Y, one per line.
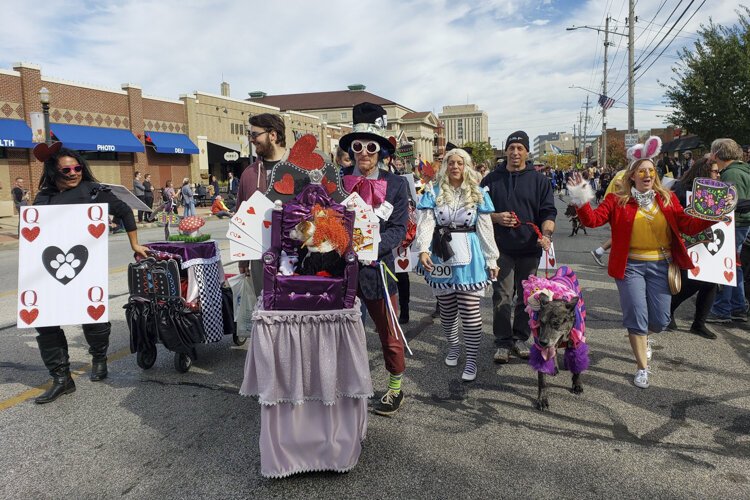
column 63, row 265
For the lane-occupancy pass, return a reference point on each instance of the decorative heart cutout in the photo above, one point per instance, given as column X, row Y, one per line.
column 552, row 262
column 329, row 185
column 695, row 271
column 303, row 154
column 42, row 152
column 728, row 275
column 28, row 316
column 403, row 263
column 251, row 211
column 714, row 247
column 285, row 185
column 30, row 233
column 96, row 230
column 267, row 223
column 64, row 266
column 728, row 222
column 95, row 312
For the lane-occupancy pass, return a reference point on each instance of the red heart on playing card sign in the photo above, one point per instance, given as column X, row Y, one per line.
column 251, row 211
column 728, row 222
column 403, row 263
column 285, row 185
column 30, row 233
column 267, row 223
column 695, row 271
column 552, row 262
column 728, row 275
column 28, row 316
column 96, row 230
column 95, row 312
column 303, row 154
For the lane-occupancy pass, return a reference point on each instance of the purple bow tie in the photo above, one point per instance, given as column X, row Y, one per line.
column 371, row 190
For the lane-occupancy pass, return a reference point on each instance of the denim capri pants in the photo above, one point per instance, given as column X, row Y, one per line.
column 645, row 298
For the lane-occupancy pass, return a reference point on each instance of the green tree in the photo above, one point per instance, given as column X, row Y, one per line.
column 481, row 151
column 711, row 83
column 559, row 162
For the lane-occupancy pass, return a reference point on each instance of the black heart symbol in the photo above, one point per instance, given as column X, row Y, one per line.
column 64, row 266
column 714, row 247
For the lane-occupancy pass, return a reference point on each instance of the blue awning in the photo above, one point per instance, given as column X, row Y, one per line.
column 15, row 134
column 171, row 143
column 97, row 138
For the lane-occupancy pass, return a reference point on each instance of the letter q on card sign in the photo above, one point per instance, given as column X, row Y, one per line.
column 63, row 265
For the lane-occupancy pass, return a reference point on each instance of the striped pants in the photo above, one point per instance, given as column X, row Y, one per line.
column 467, row 304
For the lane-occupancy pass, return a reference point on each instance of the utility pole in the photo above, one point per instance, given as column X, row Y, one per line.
column 586, row 127
column 580, row 142
column 575, row 142
column 631, row 70
column 603, row 156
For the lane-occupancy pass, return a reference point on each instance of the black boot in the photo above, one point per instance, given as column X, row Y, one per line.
column 97, row 336
column 403, row 317
column 54, row 350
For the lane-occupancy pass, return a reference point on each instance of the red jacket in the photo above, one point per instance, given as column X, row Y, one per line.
column 621, row 219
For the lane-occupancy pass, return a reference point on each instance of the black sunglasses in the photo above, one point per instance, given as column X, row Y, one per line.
column 254, row 135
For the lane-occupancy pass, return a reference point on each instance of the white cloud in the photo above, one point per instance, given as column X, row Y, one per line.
column 511, row 57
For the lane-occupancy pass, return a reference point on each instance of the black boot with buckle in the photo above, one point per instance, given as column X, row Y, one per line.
column 54, row 351
column 97, row 336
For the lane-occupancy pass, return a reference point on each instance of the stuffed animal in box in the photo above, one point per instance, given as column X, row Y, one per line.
column 324, row 240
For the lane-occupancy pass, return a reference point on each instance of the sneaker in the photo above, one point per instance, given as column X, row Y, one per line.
column 597, row 258
column 649, row 349
column 740, row 316
column 703, row 331
column 469, row 376
column 453, row 354
column 521, row 349
column 641, row 379
column 389, row 403
column 502, row 355
column 712, row 318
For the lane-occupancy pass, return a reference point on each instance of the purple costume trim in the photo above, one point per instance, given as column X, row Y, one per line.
column 539, row 364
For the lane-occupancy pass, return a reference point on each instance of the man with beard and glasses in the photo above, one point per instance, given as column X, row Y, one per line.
column 268, row 134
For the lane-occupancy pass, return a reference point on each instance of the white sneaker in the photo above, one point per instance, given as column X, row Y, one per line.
column 641, row 379
column 649, row 349
column 451, row 361
column 598, row 258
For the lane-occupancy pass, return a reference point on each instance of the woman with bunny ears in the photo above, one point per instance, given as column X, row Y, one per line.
column 646, row 220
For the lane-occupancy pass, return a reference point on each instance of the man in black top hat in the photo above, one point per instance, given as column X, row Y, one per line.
column 520, row 194
column 368, row 147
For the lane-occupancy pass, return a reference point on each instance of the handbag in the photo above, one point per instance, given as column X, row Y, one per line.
column 675, row 278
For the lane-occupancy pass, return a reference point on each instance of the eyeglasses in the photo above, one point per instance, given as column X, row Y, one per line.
column 370, row 147
column 254, row 135
column 714, row 171
column 75, row 168
column 650, row 171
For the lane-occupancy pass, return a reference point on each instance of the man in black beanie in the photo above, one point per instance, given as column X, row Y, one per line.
column 516, row 189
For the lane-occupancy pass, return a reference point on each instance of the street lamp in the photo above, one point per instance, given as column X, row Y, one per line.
column 44, row 99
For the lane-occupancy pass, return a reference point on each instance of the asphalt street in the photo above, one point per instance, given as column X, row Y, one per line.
column 161, row 434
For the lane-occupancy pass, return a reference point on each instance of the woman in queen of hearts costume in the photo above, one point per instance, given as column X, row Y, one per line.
column 457, row 252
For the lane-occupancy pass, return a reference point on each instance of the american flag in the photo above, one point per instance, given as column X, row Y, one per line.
column 606, row 102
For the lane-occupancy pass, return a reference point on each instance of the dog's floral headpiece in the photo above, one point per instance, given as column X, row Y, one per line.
column 647, row 151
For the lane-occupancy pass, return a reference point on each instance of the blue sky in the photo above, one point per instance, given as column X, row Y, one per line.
column 513, row 58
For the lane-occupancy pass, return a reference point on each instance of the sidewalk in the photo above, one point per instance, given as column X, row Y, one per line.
column 9, row 227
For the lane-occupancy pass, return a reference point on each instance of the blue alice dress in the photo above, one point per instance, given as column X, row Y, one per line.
column 472, row 250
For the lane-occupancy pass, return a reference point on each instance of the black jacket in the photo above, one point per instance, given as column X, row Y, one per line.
column 89, row 192
column 392, row 232
column 527, row 193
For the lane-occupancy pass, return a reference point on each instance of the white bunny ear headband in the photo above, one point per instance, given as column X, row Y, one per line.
column 646, row 151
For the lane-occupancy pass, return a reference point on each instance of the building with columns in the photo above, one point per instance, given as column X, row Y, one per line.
column 465, row 123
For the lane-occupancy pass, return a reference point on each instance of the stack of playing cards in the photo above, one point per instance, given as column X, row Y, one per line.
column 249, row 230
column 366, row 234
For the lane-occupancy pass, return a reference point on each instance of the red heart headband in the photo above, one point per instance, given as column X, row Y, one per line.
column 646, row 151
column 43, row 152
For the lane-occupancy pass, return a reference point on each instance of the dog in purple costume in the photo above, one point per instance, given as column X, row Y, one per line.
column 557, row 317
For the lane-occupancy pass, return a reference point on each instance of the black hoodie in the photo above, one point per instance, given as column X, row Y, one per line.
column 528, row 193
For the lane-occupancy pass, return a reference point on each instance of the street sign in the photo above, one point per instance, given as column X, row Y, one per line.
column 631, row 140
column 231, row 156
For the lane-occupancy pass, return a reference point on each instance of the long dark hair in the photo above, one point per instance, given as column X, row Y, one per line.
column 50, row 173
column 701, row 168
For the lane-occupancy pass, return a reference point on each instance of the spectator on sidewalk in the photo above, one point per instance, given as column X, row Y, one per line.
column 139, row 191
column 148, row 196
column 188, row 198
column 219, row 209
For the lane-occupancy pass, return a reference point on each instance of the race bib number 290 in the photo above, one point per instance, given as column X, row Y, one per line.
column 441, row 271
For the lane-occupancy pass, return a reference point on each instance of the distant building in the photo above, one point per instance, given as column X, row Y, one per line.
column 334, row 108
column 465, row 123
column 553, row 142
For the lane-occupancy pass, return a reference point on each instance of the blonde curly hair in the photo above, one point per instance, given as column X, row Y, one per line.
column 470, row 191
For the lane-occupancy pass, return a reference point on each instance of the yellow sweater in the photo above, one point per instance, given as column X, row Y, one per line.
column 651, row 237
